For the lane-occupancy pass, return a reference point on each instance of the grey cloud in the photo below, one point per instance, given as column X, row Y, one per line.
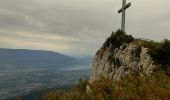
column 83, row 24
column 62, row 18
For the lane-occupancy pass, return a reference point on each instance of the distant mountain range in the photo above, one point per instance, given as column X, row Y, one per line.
column 24, row 57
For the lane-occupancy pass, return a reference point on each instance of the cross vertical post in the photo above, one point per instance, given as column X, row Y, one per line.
column 123, row 16
column 123, row 11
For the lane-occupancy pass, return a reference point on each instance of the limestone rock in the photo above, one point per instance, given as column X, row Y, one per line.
column 118, row 62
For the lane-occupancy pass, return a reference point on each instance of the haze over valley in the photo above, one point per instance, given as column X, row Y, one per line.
column 24, row 71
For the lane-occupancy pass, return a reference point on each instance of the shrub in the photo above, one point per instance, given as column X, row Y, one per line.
column 78, row 92
column 117, row 39
column 131, row 87
column 161, row 54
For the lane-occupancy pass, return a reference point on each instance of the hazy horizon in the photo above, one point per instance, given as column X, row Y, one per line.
column 78, row 27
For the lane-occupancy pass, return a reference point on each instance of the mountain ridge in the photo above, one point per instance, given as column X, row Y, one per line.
column 25, row 57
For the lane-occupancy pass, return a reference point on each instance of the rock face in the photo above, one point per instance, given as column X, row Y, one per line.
column 117, row 62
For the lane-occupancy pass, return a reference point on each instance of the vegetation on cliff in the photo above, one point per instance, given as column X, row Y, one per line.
column 132, row 87
column 117, row 39
column 159, row 51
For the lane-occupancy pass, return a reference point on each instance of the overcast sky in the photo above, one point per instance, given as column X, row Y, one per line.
column 78, row 27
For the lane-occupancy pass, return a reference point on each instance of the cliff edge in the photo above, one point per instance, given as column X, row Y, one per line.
column 121, row 55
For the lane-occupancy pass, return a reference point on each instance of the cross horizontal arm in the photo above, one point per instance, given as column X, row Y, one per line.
column 125, row 7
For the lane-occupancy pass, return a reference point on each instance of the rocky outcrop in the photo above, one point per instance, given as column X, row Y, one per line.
column 116, row 62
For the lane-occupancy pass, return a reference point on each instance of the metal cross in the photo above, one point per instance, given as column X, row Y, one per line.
column 123, row 11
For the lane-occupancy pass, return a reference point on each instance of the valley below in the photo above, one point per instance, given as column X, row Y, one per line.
column 18, row 81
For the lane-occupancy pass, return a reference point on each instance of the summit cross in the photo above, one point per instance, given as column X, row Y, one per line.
column 123, row 11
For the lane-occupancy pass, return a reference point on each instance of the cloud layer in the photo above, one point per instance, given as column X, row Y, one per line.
column 77, row 27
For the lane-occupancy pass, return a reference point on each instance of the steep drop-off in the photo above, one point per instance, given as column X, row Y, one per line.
column 120, row 55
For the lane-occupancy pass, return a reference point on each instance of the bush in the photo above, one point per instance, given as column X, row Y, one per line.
column 78, row 92
column 117, row 39
column 132, row 87
column 161, row 54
